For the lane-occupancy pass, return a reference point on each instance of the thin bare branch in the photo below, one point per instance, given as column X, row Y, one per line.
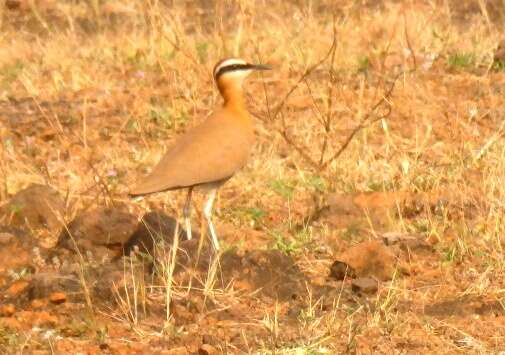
column 367, row 120
column 307, row 73
column 329, row 113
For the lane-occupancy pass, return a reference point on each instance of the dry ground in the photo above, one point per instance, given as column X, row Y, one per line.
column 91, row 93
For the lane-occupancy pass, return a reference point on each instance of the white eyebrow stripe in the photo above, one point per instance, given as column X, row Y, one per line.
column 227, row 62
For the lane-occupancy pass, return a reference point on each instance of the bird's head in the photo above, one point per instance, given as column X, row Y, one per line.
column 231, row 72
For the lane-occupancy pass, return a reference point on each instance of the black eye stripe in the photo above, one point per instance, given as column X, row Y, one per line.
column 232, row 67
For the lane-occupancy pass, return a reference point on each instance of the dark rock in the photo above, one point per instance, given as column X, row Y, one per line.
column 36, row 207
column 340, row 271
column 365, row 285
column 99, row 230
column 155, row 227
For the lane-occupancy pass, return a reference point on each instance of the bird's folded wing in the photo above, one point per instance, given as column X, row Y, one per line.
column 211, row 152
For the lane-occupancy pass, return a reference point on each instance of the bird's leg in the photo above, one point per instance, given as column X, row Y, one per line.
column 187, row 214
column 207, row 211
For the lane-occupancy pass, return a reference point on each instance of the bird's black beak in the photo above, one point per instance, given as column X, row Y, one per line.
column 260, row 67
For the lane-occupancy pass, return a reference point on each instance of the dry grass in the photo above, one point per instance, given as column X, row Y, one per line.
column 92, row 93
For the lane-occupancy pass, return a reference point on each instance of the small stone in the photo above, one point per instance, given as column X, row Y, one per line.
column 365, row 285
column 7, row 310
column 58, row 297
column 207, row 349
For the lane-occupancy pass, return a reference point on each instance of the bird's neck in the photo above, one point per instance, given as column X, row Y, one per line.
column 233, row 96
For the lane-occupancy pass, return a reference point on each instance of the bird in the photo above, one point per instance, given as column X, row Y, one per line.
column 209, row 154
